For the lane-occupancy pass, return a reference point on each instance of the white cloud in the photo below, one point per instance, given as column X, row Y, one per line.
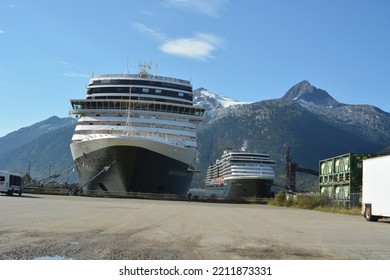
column 71, row 73
column 201, row 46
column 2, row 31
column 205, row 7
column 67, row 64
column 77, row 75
column 148, row 31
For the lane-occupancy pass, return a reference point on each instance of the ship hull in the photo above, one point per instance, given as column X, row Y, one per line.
column 236, row 188
column 248, row 187
column 119, row 165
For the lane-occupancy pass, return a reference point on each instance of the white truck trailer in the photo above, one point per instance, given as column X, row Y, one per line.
column 11, row 183
column 376, row 188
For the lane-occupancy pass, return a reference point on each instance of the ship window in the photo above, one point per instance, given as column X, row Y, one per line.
column 180, row 94
column 158, row 91
column 145, row 90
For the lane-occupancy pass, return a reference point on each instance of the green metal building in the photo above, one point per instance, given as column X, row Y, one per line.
column 340, row 178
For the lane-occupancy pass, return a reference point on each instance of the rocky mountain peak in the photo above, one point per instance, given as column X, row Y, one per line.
column 304, row 92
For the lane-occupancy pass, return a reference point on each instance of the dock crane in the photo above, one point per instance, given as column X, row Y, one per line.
column 292, row 168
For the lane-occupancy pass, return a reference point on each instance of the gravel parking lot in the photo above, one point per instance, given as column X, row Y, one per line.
column 86, row 228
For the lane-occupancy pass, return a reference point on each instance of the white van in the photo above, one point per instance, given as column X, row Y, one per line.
column 11, row 183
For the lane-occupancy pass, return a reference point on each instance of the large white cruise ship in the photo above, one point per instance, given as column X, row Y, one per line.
column 136, row 133
column 238, row 173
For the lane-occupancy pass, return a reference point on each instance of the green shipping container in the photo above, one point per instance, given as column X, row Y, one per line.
column 340, row 178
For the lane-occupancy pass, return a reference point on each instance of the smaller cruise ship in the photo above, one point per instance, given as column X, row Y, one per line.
column 238, row 173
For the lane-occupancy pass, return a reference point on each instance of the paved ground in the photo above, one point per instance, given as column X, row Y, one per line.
column 83, row 228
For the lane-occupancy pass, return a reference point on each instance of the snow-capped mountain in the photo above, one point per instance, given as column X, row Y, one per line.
column 305, row 93
column 216, row 105
column 367, row 119
column 213, row 100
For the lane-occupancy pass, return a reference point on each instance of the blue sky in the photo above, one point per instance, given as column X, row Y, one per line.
column 247, row 50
